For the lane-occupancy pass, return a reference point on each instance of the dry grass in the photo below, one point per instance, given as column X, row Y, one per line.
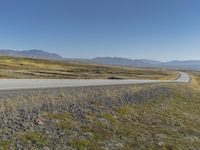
column 34, row 68
column 195, row 82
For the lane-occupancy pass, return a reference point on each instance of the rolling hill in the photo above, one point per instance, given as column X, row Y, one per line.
column 119, row 61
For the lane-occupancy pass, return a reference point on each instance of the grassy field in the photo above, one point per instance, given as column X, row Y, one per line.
column 33, row 68
column 150, row 116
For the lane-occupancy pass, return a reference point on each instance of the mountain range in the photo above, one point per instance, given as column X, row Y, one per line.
column 188, row 64
column 40, row 54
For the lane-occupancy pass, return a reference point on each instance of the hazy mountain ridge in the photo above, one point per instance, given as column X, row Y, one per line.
column 34, row 53
column 126, row 61
column 188, row 64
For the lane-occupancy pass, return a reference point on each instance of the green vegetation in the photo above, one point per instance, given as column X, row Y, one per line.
column 6, row 144
column 36, row 139
column 11, row 67
column 81, row 144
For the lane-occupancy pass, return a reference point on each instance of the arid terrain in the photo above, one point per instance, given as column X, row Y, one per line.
column 146, row 116
column 27, row 68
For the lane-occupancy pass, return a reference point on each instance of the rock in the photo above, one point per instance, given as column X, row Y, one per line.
column 46, row 148
column 39, row 121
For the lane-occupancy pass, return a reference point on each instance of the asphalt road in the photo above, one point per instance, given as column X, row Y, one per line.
column 182, row 78
column 10, row 84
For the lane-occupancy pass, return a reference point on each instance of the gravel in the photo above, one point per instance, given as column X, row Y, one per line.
column 24, row 111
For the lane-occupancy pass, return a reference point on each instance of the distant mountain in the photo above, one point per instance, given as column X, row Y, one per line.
column 190, row 64
column 127, row 62
column 40, row 54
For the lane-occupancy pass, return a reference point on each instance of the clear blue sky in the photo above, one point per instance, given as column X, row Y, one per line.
column 153, row 29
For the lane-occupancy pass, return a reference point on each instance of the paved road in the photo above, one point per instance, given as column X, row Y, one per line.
column 183, row 77
column 9, row 84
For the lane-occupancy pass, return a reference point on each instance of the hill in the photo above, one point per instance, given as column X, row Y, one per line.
column 40, row 54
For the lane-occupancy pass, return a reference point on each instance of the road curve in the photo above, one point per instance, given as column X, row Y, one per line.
column 11, row 84
column 183, row 77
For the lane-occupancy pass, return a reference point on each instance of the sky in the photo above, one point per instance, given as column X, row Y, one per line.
column 138, row 29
